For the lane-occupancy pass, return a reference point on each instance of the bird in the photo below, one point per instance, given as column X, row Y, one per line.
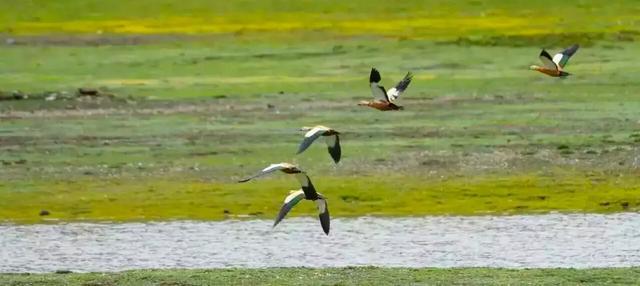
column 384, row 99
column 554, row 66
column 331, row 138
column 307, row 192
column 296, row 196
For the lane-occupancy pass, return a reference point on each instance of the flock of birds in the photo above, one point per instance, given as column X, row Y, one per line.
column 384, row 100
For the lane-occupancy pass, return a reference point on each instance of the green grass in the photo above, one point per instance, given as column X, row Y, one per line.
column 196, row 109
column 480, row 133
column 330, row 70
column 338, row 276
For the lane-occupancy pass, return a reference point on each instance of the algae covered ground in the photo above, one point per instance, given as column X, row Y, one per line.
column 338, row 276
column 193, row 97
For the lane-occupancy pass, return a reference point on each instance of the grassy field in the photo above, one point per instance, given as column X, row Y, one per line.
column 207, row 93
column 338, row 276
column 425, row 19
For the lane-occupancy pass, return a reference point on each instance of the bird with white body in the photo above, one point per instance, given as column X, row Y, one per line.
column 331, row 137
column 307, row 192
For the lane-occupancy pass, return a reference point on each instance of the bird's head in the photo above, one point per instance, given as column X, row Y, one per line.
column 534, row 67
column 363, row 103
column 305, row 128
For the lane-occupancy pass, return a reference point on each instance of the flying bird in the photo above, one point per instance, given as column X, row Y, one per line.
column 296, row 196
column 330, row 137
column 308, row 192
column 554, row 66
column 384, row 99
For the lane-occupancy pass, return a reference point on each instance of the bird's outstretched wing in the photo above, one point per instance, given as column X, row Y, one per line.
column 333, row 144
column 547, row 61
column 268, row 170
column 395, row 92
column 378, row 91
column 307, row 187
column 311, row 136
column 563, row 57
column 289, row 202
column 323, row 210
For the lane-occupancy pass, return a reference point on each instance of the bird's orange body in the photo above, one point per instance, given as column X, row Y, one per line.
column 381, row 105
column 550, row 72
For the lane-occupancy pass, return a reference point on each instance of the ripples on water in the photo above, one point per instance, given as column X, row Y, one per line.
column 556, row 240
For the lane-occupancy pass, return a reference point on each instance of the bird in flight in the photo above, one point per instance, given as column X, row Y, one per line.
column 384, row 99
column 307, row 192
column 554, row 66
column 330, row 137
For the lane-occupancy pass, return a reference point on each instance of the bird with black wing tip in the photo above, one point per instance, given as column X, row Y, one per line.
column 307, row 192
column 553, row 66
column 331, row 137
column 384, row 100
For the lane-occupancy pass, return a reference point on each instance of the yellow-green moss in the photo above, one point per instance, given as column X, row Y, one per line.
column 113, row 200
column 425, row 19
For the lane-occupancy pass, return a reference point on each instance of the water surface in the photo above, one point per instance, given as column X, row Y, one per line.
column 555, row 240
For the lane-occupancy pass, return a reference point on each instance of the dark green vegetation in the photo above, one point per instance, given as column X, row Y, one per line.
column 200, row 101
column 338, row 276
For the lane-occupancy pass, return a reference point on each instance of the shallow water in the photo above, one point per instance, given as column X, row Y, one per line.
column 555, row 240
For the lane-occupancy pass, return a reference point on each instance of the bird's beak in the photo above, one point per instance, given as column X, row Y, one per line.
column 533, row 67
column 363, row 103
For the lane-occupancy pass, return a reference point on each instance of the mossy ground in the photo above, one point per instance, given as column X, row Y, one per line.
column 162, row 199
column 409, row 19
